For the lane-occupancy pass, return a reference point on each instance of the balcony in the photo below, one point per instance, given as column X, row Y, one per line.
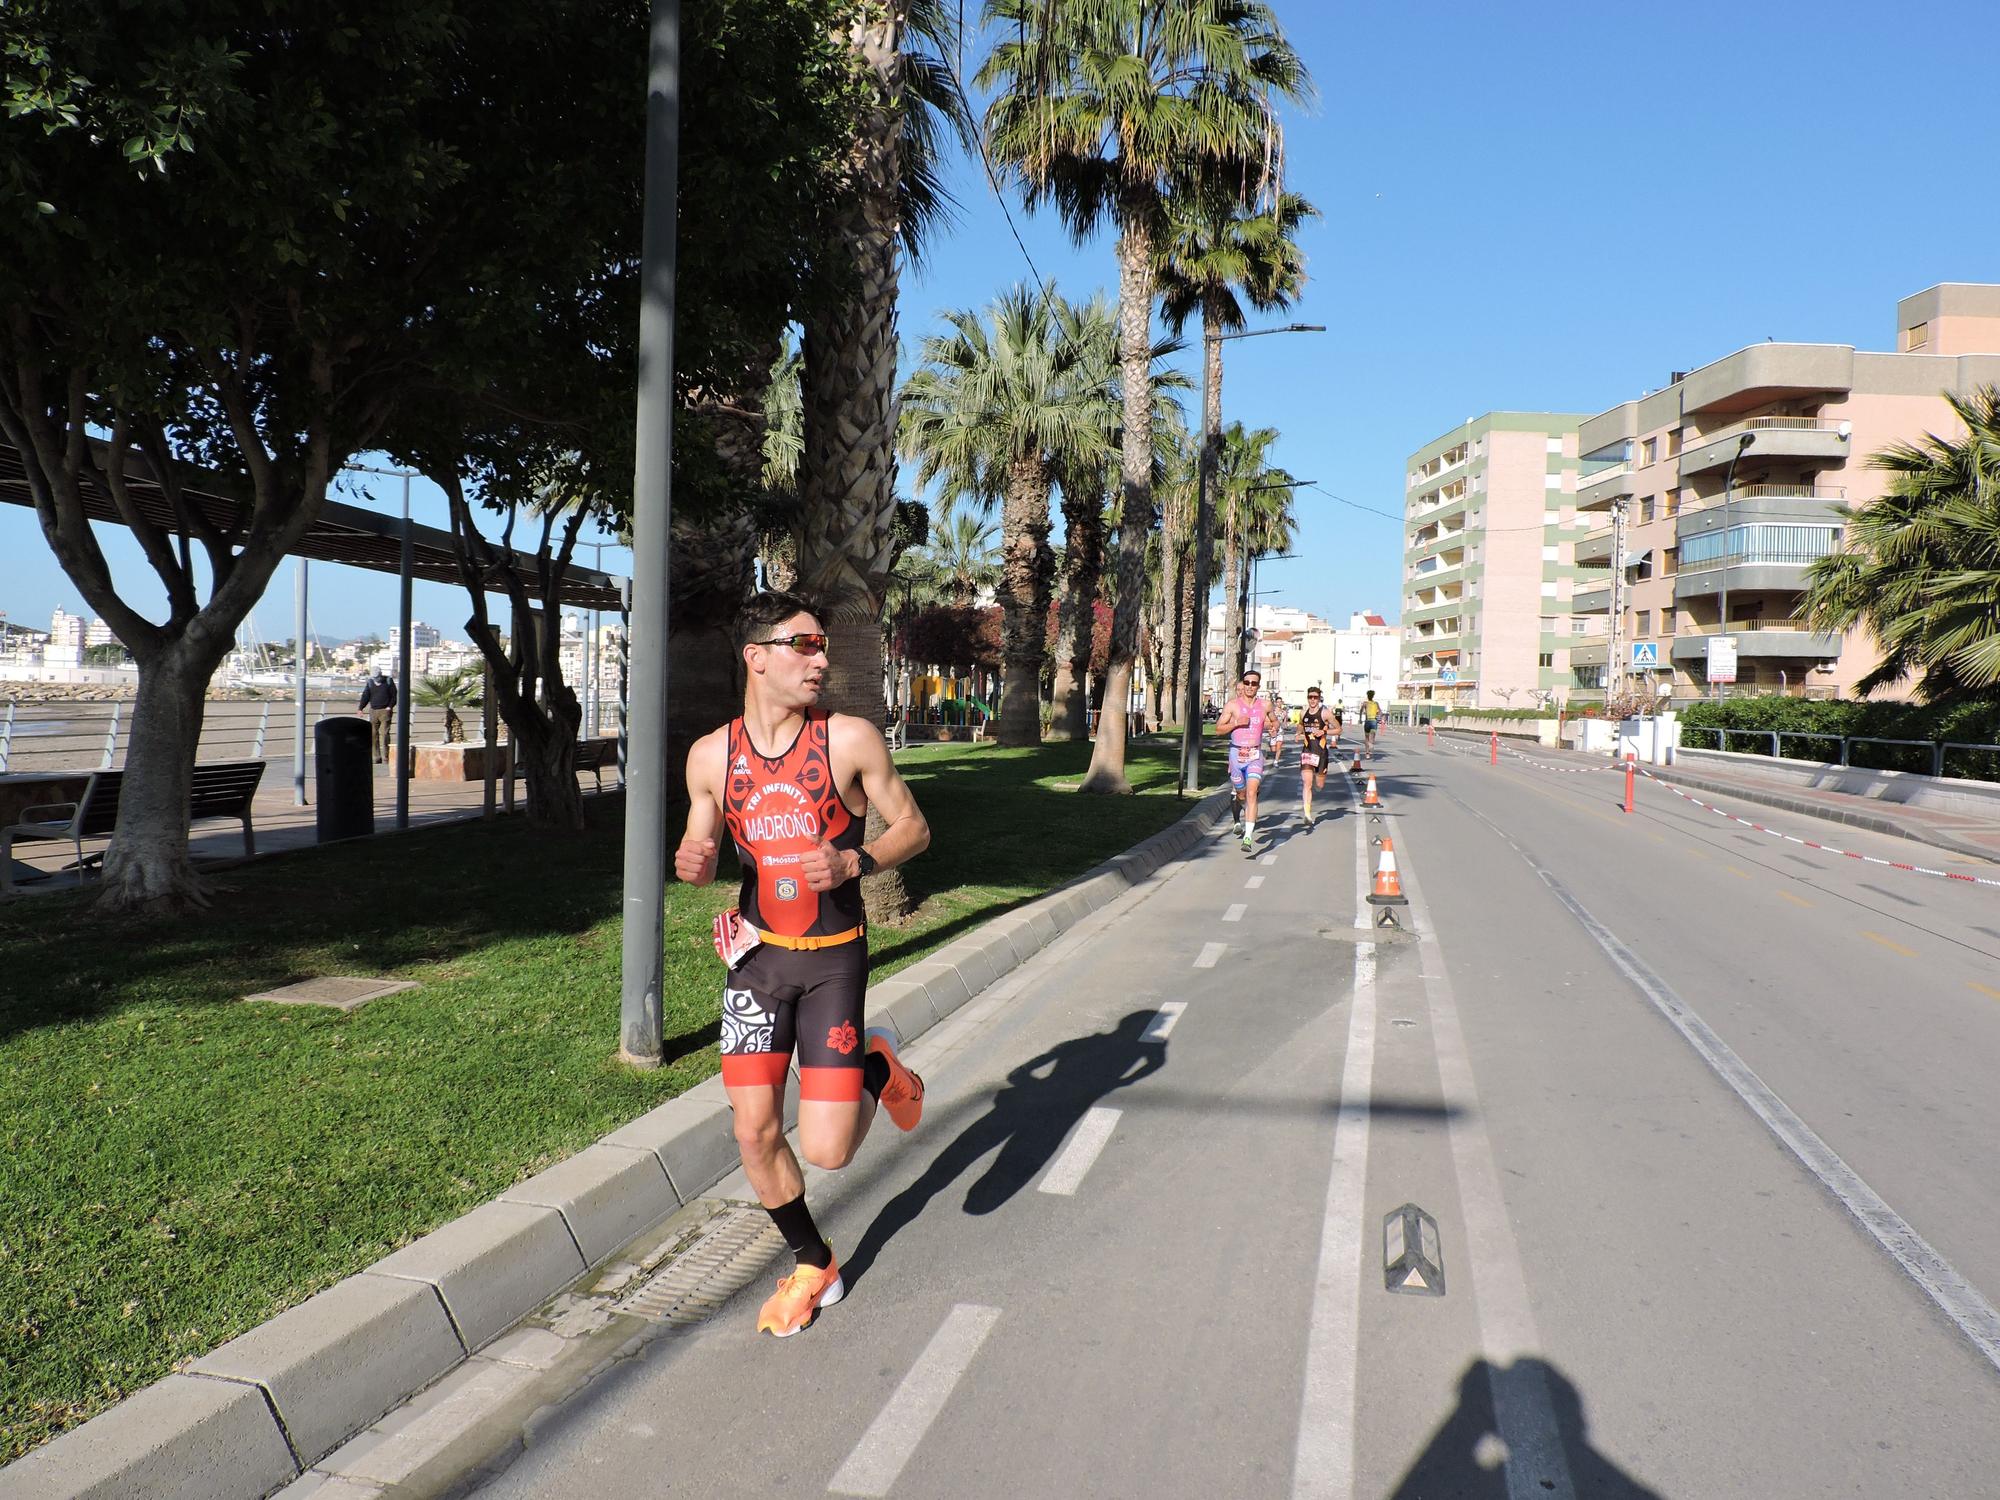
column 1594, row 551
column 1603, row 487
column 1756, row 555
column 1813, row 500
column 1591, row 601
column 1764, row 638
column 1810, row 439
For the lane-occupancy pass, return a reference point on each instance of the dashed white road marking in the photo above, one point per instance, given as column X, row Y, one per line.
column 1255, row 882
column 1163, row 1023
column 1210, row 952
column 1065, row 1175
column 878, row 1459
column 1268, row 859
column 1235, row 912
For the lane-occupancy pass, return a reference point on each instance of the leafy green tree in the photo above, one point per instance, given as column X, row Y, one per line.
column 1254, row 501
column 1099, row 105
column 1920, row 564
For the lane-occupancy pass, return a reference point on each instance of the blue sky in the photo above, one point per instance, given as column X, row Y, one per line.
column 1539, row 207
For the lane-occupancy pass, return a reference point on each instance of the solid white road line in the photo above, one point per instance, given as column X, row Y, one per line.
column 1235, row 912
column 1065, row 1174
column 1523, row 1409
column 878, row 1459
column 1956, row 1297
column 1255, row 882
column 1163, row 1023
column 1323, row 1464
column 1210, row 952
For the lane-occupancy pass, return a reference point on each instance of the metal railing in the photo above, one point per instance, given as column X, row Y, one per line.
column 57, row 735
column 1751, row 627
column 1984, row 759
column 1770, row 424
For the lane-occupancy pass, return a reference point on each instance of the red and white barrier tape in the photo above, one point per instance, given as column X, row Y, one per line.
column 1869, row 859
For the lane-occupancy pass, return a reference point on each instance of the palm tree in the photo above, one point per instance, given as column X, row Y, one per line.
column 451, row 691
column 1098, row 107
column 1214, row 245
column 995, row 407
column 1244, row 482
column 962, row 550
column 1920, row 565
column 845, row 539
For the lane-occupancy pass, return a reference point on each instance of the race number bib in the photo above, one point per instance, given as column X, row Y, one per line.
column 734, row 938
column 1307, row 758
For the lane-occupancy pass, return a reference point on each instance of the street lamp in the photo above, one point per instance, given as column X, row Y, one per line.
column 1190, row 776
column 1728, row 489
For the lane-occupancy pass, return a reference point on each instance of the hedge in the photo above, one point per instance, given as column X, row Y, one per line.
column 1976, row 722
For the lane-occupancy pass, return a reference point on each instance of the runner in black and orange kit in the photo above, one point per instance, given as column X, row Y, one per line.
column 792, row 787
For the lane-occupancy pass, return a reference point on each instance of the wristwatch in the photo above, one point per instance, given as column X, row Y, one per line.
column 864, row 862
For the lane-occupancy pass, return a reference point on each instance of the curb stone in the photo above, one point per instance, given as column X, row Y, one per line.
column 251, row 1417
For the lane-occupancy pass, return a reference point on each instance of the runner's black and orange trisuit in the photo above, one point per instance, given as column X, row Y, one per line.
column 804, row 984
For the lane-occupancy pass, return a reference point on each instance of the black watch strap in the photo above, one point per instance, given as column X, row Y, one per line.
column 866, row 860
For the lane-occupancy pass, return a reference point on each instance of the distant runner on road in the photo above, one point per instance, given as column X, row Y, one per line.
column 1371, row 720
column 1245, row 721
column 1316, row 728
column 792, row 786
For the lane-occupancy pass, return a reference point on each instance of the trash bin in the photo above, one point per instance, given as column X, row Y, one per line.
column 344, row 777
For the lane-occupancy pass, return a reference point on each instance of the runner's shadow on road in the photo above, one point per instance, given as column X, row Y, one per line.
column 1031, row 1115
column 1466, row 1457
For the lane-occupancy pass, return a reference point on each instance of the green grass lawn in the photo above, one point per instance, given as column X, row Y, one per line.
column 178, row 1166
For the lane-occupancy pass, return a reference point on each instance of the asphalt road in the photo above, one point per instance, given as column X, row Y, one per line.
column 1705, row 1120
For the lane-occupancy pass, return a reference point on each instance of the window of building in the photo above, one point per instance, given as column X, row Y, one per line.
column 1642, row 622
column 1673, row 444
column 1552, row 481
column 1546, row 659
column 1670, row 561
column 1648, row 449
column 1916, row 337
column 1645, row 510
column 1555, row 445
column 1670, row 505
column 1551, row 517
column 1549, row 624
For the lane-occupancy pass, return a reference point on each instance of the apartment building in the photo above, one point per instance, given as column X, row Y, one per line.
column 1730, row 480
column 1490, row 527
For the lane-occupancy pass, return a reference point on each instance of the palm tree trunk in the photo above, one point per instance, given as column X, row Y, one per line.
column 1083, row 569
column 846, row 542
column 1232, row 601
column 1135, row 521
column 1024, row 600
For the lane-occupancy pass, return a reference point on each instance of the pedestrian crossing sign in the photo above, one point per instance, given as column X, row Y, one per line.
column 1645, row 653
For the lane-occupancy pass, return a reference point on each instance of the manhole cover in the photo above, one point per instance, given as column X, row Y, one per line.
column 334, row 992
column 731, row 1251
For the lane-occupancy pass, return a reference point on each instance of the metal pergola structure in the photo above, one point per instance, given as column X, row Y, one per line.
column 340, row 533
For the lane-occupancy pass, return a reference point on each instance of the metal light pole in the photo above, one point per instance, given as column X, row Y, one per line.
column 299, row 686
column 1197, row 650
column 1728, row 492
column 645, row 937
column 406, row 564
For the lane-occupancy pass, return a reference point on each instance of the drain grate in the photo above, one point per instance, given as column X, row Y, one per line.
column 731, row 1251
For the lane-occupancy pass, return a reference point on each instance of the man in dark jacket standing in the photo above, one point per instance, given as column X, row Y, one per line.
column 378, row 701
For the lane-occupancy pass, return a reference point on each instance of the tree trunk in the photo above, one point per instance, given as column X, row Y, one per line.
column 544, row 738
column 846, row 543
column 1135, row 521
column 146, row 868
column 1232, row 603
column 1023, row 601
column 1083, row 572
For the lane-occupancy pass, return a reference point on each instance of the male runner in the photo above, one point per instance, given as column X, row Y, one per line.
column 1315, row 748
column 792, row 786
column 1371, row 720
column 1243, row 719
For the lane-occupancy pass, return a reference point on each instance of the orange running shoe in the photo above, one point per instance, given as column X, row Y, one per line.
column 799, row 1298
column 903, row 1094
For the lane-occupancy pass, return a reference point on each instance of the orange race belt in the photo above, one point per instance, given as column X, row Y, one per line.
column 812, row 944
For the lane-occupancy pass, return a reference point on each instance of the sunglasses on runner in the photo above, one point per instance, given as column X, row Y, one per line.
column 805, row 645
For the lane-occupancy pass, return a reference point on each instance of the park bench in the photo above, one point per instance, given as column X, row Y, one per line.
column 220, row 789
column 595, row 755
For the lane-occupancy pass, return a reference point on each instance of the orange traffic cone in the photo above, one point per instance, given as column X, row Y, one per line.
column 1355, row 769
column 1388, row 884
column 1369, row 798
